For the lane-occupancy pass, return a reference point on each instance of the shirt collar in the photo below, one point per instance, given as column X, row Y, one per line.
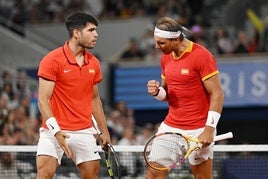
column 70, row 56
column 187, row 50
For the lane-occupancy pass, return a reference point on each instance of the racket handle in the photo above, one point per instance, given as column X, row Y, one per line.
column 227, row 135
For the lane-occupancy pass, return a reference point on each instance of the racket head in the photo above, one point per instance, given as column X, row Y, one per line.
column 165, row 151
column 112, row 162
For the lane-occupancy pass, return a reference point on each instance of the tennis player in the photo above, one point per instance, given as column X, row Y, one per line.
column 191, row 86
column 68, row 97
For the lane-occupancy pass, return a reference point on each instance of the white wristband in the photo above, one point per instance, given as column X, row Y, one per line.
column 53, row 125
column 213, row 118
column 161, row 94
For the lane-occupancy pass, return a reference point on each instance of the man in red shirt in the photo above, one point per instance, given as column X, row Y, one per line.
column 191, row 85
column 68, row 97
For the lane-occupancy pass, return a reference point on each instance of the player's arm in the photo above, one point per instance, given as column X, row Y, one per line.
column 98, row 113
column 45, row 91
column 213, row 87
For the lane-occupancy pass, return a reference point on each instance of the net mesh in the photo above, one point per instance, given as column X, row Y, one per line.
column 230, row 161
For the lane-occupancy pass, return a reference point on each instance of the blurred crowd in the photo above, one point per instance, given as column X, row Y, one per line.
column 217, row 38
column 40, row 11
column 19, row 120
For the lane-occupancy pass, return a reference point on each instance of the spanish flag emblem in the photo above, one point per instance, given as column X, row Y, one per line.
column 185, row 71
column 91, row 71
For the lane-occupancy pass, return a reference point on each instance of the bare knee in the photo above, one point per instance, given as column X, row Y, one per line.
column 89, row 170
column 203, row 170
column 46, row 167
column 155, row 174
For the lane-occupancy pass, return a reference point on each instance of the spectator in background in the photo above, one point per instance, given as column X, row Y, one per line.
column 241, row 44
column 153, row 56
column 17, row 18
column 55, row 11
column 75, row 5
column 133, row 51
column 197, row 35
column 22, row 87
column 254, row 42
column 115, row 123
column 146, row 132
column 6, row 77
column 122, row 108
column 264, row 36
column 147, row 40
column 95, row 7
column 129, row 159
column 8, row 166
column 11, row 95
column 222, row 42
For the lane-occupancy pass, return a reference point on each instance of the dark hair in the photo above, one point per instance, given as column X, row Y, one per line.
column 169, row 24
column 79, row 20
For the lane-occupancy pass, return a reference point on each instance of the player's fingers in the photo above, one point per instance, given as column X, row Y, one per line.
column 62, row 140
column 153, row 83
column 66, row 149
column 204, row 144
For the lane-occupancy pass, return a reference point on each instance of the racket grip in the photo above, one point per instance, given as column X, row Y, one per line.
column 227, row 135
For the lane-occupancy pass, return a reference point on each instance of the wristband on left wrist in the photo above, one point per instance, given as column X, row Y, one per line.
column 213, row 119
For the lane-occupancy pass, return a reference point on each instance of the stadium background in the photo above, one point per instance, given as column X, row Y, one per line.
column 24, row 52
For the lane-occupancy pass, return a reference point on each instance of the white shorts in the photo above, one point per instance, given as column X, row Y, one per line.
column 197, row 156
column 82, row 144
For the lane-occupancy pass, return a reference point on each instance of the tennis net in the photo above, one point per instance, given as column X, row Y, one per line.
column 230, row 162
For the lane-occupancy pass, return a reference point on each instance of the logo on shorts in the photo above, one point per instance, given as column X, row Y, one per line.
column 95, row 152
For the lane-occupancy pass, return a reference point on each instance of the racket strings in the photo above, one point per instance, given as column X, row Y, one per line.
column 167, row 150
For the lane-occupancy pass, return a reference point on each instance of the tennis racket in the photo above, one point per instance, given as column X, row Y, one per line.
column 165, row 151
column 112, row 162
column 111, row 157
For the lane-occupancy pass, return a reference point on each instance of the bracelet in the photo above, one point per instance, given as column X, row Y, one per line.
column 52, row 125
column 213, row 118
column 161, row 95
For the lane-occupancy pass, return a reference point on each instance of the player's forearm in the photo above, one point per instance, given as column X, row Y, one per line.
column 216, row 101
column 98, row 113
column 45, row 109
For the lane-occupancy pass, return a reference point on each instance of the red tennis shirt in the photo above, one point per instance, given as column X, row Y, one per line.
column 71, row 101
column 188, row 99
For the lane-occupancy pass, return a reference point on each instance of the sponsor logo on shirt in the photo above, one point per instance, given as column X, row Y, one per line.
column 66, row 71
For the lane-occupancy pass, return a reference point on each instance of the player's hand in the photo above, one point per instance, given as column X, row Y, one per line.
column 61, row 138
column 207, row 137
column 104, row 139
column 152, row 87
